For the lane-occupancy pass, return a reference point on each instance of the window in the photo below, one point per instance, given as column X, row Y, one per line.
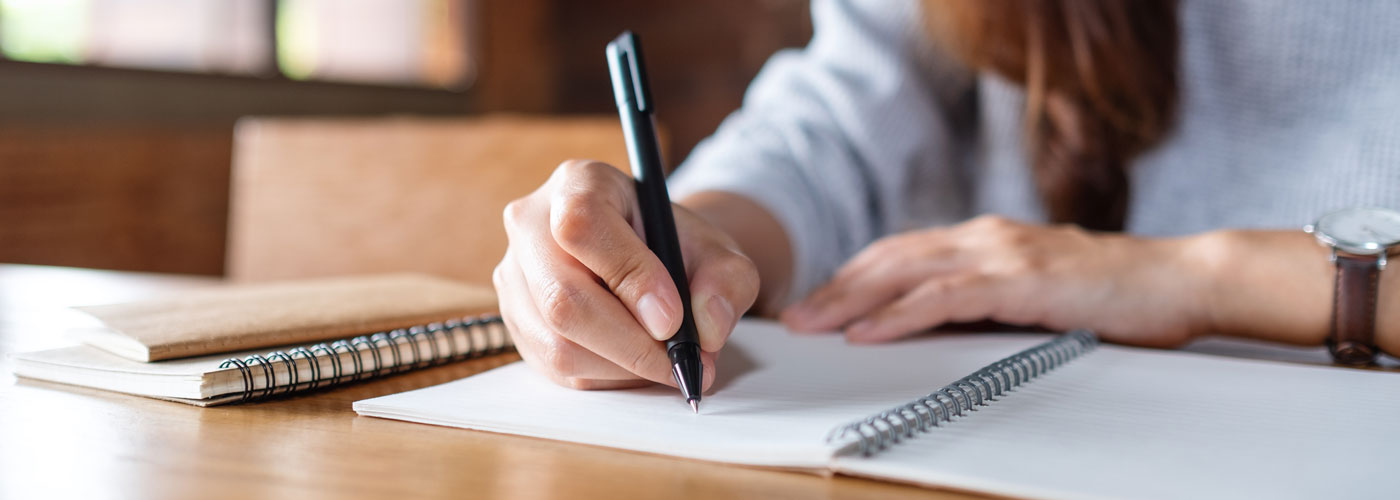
column 388, row 42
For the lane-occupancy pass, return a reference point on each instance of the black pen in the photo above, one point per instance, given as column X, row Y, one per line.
column 629, row 81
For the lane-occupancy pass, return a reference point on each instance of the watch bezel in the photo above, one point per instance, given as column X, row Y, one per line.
column 1352, row 247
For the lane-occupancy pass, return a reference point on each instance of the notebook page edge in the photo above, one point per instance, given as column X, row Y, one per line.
column 804, row 460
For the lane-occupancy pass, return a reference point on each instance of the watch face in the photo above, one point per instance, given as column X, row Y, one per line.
column 1361, row 230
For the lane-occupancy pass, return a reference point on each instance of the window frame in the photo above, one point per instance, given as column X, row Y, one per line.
column 271, row 73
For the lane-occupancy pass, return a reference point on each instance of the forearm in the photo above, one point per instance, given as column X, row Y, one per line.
column 1277, row 285
column 759, row 236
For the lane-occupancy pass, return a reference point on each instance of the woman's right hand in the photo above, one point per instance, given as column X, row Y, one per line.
column 587, row 303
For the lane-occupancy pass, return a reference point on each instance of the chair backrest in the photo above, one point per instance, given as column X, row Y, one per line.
column 317, row 197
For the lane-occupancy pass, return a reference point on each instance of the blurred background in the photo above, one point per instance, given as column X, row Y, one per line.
column 199, row 136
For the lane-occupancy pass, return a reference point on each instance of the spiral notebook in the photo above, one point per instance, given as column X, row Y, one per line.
column 235, row 317
column 222, row 336
column 257, row 374
column 1007, row 414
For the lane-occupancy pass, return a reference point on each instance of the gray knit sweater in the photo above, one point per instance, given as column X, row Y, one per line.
column 1289, row 109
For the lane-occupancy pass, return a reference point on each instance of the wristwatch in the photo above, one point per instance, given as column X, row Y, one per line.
column 1361, row 240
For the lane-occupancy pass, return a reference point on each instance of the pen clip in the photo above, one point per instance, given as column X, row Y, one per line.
column 629, row 54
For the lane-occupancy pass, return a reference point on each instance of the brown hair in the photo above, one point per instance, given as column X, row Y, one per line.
column 1101, row 88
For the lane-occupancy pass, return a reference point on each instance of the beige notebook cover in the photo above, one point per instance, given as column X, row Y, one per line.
column 243, row 317
column 218, row 379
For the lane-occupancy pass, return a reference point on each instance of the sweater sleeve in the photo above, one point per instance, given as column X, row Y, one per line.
column 830, row 137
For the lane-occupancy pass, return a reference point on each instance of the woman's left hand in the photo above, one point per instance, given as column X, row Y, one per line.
column 1131, row 290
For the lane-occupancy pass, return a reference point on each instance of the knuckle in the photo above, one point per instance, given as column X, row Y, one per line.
column 556, row 356
column 560, row 305
column 1029, row 263
column 640, row 358
column 1071, row 229
column 938, row 288
column 880, row 251
column 991, row 221
column 968, row 281
column 574, row 167
column 631, row 271
column 1017, row 236
column 741, row 279
column 514, row 213
column 574, row 220
column 587, row 171
column 736, row 267
column 1002, row 233
column 498, row 277
column 885, row 246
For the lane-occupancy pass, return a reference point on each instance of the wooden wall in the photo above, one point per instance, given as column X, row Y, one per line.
column 700, row 56
column 129, row 169
column 134, row 196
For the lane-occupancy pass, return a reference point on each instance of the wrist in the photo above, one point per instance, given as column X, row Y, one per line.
column 1189, row 268
column 1210, row 257
column 1269, row 285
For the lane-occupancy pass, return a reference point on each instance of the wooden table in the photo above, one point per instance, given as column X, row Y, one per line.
column 59, row 441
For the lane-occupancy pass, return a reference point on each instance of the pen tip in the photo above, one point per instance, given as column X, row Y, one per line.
column 695, row 406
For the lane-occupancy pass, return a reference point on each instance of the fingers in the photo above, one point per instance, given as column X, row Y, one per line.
column 851, row 294
column 572, row 304
column 569, row 324
column 589, row 218
column 552, row 354
column 593, row 227
column 562, row 360
column 964, row 297
column 585, row 299
column 915, row 281
column 723, row 281
column 877, row 275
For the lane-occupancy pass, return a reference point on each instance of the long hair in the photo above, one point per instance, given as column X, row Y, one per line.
column 1101, row 88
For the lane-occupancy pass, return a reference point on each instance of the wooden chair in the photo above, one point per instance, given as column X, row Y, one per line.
column 317, row 197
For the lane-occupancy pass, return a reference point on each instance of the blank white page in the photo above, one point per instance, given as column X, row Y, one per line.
column 777, row 396
column 1136, row 423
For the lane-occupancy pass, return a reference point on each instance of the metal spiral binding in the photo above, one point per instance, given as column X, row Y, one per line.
column 448, row 341
column 879, row 431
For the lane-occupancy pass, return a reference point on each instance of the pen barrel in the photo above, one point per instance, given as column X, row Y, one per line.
column 653, row 201
column 658, row 223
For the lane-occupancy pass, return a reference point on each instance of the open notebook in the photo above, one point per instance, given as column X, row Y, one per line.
column 1113, row 422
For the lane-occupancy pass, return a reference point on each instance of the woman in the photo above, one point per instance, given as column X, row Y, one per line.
column 977, row 159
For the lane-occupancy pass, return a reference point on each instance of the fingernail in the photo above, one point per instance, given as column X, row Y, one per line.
column 860, row 330
column 655, row 316
column 718, row 319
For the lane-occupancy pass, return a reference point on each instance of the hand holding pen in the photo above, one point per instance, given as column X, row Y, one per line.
column 589, row 304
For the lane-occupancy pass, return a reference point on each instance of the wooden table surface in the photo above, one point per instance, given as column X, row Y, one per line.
column 60, row 441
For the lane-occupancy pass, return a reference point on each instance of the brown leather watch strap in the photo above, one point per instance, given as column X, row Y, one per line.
column 1352, row 339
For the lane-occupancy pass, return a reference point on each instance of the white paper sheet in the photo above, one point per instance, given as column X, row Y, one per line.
column 1118, row 422
column 776, row 397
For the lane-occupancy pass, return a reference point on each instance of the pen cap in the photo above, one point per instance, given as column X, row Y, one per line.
column 628, row 74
